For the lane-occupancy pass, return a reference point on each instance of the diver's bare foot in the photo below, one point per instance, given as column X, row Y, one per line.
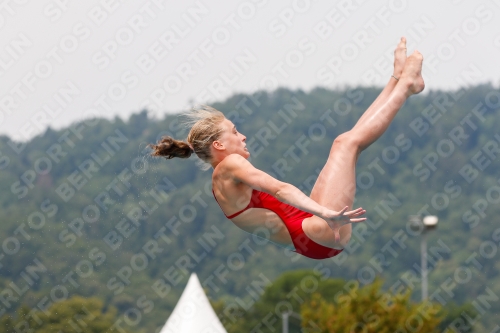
column 400, row 57
column 412, row 74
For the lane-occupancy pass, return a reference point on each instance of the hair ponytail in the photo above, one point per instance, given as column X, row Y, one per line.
column 204, row 123
column 169, row 148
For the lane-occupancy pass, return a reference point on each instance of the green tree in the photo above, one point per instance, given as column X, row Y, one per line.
column 286, row 294
column 369, row 310
column 457, row 319
column 76, row 314
column 273, row 123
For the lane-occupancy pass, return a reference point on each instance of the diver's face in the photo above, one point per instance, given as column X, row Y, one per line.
column 233, row 141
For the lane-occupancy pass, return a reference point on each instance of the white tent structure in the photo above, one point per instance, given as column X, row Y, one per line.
column 193, row 312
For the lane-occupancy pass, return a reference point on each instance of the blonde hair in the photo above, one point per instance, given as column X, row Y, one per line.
column 205, row 128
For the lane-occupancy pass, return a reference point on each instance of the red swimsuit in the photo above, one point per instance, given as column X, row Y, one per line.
column 292, row 217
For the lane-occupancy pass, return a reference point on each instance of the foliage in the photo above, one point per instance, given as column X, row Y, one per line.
column 284, row 295
column 370, row 310
column 76, row 314
column 409, row 165
column 458, row 319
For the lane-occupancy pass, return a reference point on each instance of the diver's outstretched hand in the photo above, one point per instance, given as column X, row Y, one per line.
column 336, row 220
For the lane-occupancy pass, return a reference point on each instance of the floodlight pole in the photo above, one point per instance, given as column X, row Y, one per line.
column 425, row 224
column 423, row 255
column 285, row 321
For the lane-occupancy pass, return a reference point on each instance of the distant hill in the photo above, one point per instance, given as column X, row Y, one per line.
column 86, row 211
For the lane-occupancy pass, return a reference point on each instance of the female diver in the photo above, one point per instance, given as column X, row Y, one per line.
column 318, row 226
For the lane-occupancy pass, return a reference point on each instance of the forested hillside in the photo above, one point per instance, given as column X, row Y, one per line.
column 86, row 211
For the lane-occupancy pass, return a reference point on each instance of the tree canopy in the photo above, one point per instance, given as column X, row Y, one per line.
column 86, row 211
column 76, row 314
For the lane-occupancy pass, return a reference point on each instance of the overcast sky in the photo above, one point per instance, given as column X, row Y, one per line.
column 62, row 61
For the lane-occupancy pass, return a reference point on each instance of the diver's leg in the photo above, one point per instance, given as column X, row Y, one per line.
column 399, row 62
column 336, row 184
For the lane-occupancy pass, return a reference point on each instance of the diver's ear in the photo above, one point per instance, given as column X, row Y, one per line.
column 218, row 145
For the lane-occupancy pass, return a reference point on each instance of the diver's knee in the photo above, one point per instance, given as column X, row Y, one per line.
column 348, row 142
